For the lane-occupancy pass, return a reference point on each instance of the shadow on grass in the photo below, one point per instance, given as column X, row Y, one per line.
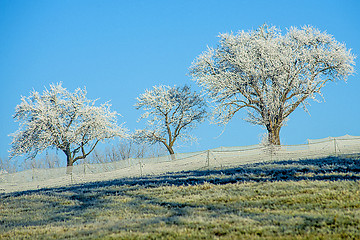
column 91, row 195
column 331, row 168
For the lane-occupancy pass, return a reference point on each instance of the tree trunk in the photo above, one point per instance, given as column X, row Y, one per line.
column 171, row 152
column 274, row 135
column 69, row 162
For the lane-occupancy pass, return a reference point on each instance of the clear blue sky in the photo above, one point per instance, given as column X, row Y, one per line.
column 117, row 49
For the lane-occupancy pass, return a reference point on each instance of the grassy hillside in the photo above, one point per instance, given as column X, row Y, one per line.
column 306, row 199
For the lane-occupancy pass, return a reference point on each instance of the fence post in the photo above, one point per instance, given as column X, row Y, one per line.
column 208, row 158
column 141, row 173
column 335, row 147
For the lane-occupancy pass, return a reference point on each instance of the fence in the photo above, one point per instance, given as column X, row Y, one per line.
column 222, row 157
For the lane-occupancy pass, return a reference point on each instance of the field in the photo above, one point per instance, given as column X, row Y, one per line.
column 305, row 199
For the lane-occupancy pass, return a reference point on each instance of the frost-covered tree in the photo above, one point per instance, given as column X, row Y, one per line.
column 269, row 74
column 63, row 120
column 170, row 112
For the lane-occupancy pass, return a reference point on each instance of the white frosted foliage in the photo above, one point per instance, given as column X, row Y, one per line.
column 170, row 113
column 60, row 119
column 269, row 74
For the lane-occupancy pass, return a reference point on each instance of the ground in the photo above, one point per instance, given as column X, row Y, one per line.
column 305, row 199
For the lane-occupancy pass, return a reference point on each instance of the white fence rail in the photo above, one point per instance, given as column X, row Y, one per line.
column 215, row 158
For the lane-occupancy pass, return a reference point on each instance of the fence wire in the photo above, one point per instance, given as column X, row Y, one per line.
column 222, row 157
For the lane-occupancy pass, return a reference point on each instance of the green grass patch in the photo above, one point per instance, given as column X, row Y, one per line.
column 218, row 204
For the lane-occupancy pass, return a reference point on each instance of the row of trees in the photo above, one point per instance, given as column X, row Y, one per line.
column 73, row 124
column 267, row 73
column 117, row 150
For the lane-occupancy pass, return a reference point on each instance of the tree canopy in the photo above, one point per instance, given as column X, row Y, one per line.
column 170, row 112
column 269, row 74
column 63, row 120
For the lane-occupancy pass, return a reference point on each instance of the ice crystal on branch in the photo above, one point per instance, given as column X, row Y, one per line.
column 63, row 120
column 170, row 112
column 270, row 74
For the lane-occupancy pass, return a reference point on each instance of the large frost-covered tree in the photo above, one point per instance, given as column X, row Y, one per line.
column 269, row 74
column 170, row 112
column 63, row 120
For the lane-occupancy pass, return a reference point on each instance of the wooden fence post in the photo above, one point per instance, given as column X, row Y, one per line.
column 141, row 172
column 208, row 158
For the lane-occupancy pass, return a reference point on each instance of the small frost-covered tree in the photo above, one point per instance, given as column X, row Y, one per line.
column 63, row 120
column 170, row 112
column 270, row 74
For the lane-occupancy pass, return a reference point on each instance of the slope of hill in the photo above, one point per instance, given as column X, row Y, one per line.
column 305, row 199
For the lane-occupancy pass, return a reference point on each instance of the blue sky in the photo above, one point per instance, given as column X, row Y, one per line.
column 117, row 49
